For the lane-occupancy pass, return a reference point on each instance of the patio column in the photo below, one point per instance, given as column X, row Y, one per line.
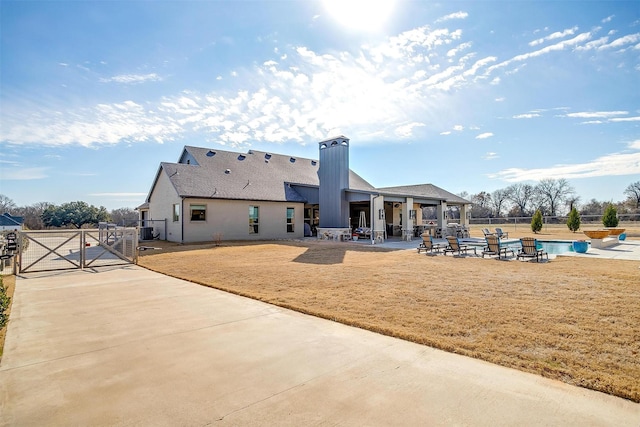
column 465, row 212
column 441, row 211
column 407, row 221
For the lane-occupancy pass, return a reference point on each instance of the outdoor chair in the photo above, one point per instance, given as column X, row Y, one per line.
column 501, row 234
column 455, row 246
column 486, row 232
column 530, row 249
column 428, row 244
column 494, row 248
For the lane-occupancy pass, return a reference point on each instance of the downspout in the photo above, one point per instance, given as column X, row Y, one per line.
column 182, row 214
column 372, row 208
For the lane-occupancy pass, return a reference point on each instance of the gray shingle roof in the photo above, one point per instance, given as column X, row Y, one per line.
column 256, row 175
column 8, row 220
column 259, row 175
column 425, row 191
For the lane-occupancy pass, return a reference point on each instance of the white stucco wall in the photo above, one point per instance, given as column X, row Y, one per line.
column 161, row 202
column 231, row 219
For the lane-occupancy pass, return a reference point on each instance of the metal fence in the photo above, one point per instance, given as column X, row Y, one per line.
column 75, row 249
column 525, row 221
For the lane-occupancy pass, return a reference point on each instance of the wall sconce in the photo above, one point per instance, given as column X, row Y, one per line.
column 397, row 205
column 380, row 213
column 412, row 213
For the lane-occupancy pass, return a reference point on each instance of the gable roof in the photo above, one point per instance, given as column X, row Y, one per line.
column 259, row 175
column 255, row 175
column 8, row 220
column 424, row 191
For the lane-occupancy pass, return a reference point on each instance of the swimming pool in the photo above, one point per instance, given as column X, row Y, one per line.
column 555, row 247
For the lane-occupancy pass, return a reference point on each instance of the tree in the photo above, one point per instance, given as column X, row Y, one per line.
column 573, row 221
column 6, row 205
column 521, row 195
column 610, row 217
column 124, row 216
column 553, row 192
column 633, row 194
column 33, row 215
column 481, row 205
column 594, row 207
column 498, row 200
column 536, row 221
column 76, row 214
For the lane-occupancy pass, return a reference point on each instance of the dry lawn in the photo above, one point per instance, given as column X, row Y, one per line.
column 572, row 319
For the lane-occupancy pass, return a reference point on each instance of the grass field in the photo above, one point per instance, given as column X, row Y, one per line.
column 572, row 319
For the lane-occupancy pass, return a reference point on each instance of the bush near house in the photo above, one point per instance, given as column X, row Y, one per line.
column 573, row 221
column 4, row 304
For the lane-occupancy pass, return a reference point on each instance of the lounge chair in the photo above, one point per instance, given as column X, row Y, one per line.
column 501, row 234
column 455, row 246
column 428, row 244
column 486, row 232
column 494, row 248
column 530, row 249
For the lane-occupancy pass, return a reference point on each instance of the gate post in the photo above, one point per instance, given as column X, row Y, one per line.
column 83, row 248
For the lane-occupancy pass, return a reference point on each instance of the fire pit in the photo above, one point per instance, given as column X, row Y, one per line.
column 596, row 234
column 616, row 231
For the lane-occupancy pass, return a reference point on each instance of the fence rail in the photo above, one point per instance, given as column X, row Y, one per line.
column 525, row 221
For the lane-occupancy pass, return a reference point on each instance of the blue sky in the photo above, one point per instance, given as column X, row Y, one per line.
column 469, row 96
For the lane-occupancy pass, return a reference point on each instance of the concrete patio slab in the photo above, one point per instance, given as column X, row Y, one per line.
column 127, row 346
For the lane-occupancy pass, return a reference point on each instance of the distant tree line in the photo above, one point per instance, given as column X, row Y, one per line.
column 77, row 214
column 552, row 197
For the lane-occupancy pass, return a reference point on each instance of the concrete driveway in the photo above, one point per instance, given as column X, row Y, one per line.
column 126, row 346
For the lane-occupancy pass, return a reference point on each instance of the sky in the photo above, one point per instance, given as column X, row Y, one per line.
column 469, row 96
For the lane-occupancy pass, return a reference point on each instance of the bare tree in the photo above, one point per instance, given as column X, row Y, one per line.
column 33, row 215
column 553, row 192
column 521, row 195
column 6, row 205
column 633, row 193
column 481, row 205
column 499, row 199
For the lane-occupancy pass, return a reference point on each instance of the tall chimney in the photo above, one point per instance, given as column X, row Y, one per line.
column 333, row 175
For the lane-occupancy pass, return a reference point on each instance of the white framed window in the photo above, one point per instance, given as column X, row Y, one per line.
column 198, row 212
column 176, row 212
column 291, row 218
column 254, row 219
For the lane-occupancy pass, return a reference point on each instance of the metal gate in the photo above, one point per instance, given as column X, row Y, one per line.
column 76, row 249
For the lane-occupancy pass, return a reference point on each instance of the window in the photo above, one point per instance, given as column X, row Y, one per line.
column 198, row 212
column 290, row 219
column 176, row 212
column 254, row 217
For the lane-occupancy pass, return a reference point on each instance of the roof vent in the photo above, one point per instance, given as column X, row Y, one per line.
column 250, row 152
column 292, row 160
column 323, row 146
column 267, row 156
column 242, row 157
column 334, row 143
column 211, row 153
column 227, row 171
column 344, row 142
column 313, row 163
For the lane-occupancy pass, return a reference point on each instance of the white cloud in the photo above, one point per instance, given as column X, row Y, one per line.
column 446, row 132
column 608, row 19
column 484, row 135
column 597, row 114
column 614, row 164
column 622, row 41
column 490, row 156
column 456, row 15
column 458, row 128
column 553, row 36
column 132, row 78
column 526, row 116
column 406, row 131
column 23, row 174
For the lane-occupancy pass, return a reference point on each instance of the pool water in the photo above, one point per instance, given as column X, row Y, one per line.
column 555, row 247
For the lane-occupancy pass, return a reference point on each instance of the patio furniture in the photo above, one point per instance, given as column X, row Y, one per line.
column 494, row 248
column 501, row 234
column 530, row 249
column 455, row 246
column 486, row 232
column 428, row 244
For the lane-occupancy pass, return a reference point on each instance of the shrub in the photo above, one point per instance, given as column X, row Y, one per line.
column 536, row 221
column 4, row 304
column 610, row 217
column 573, row 221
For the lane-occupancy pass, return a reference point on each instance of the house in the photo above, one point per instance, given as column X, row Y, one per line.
column 210, row 194
column 9, row 222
